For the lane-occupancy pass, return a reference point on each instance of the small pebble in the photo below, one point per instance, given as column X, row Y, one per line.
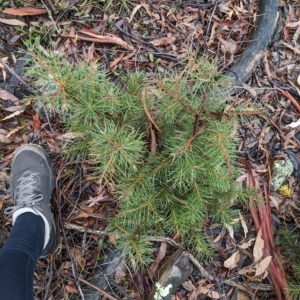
column 275, row 56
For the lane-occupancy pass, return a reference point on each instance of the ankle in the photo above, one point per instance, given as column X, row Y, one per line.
column 46, row 227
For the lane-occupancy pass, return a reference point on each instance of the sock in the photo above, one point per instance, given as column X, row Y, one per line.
column 19, row 255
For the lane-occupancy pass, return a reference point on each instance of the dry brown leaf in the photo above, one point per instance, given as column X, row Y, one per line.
column 247, row 244
column 265, row 137
column 232, row 261
column 296, row 86
column 116, row 60
column 228, row 46
column 134, row 11
column 147, row 8
column 292, row 24
column 70, row 136
column 71, row 289
column 14, row 131
column 276, row 201
column 16, row 113
column 75, row 253
column 220, row 235
column 246, row 271
column 163, row 41
column 36, row 122
column 3, row 137
column 258, row 246
column 293, row 124
column 242, row 296
column 191, row 18
column 109, row 39
column 291, row 134
column 223, row 7
column 3, row 69
column 212, row 294
column 113, row 239
column 296, row 50
column 160, row 256
column 4, row 74
column 86, row 212
column 263, row 265
column 243, row 224
column 230, row 230
column 24, row 11
column 4, row 95
column 291, row 203
column 120, row 272
column 212, row 33
column 188, row 285
column 13, row 22
column 12, row 108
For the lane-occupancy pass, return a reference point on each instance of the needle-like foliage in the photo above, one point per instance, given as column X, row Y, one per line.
column 164, row 142
column 288, row 239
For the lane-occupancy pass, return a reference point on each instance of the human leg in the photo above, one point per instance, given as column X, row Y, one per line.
column 19, row 255
column 34, row 233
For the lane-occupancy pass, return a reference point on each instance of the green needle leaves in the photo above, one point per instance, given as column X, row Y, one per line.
column 164, row 143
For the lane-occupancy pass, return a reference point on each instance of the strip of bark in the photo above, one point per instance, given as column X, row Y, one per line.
column 263, row 216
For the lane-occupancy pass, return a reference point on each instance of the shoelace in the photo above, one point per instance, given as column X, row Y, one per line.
column 26, row 192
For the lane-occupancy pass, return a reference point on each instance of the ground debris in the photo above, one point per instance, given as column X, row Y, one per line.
column 220, row 28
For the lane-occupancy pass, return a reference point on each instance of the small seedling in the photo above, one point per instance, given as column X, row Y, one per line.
column 163, row 142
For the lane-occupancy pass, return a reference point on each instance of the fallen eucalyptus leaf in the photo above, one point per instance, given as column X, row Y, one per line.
column 263, row 265
column 13, row 22
column 258, row 246
column 16, row 113
column 232, row 261
column 24, row 11
column 163, row 41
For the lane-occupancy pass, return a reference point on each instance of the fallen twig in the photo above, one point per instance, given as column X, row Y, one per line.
column 147, row 111
column 203, row 272
column 50, row 14
column 85, row 229
column 153, row 140
column 290, row 97
column 290, row 47
column 12, row 72
column 282, row 134
column 51, row 5
column 97, row 288
column 50, row 278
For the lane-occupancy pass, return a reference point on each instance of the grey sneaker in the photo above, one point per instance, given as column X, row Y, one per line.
column 31, row 185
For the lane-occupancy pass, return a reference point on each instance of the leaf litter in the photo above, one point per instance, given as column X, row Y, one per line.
column 223, row 29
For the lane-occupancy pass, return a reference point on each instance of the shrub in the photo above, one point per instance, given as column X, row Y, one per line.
column 164, row 142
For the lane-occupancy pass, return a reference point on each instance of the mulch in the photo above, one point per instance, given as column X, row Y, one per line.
column 155, row 36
